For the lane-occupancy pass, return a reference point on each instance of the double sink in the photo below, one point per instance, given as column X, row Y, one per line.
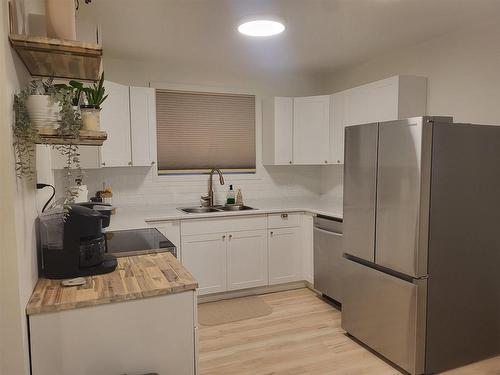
column 203, row 210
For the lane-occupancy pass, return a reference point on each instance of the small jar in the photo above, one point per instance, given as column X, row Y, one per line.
column 91, row 117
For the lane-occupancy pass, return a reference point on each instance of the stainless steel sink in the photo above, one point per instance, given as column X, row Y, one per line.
column 235, row 208
column 198, row 210
column 203, row 210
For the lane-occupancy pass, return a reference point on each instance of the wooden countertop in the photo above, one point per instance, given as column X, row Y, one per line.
column 136, row 277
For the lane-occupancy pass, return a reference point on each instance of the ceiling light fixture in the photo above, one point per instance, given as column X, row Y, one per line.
column 261, row 27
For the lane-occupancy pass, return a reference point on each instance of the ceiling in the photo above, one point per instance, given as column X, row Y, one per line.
column 321, row 35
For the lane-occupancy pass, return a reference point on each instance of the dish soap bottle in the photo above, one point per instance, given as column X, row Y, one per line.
column 230, row 195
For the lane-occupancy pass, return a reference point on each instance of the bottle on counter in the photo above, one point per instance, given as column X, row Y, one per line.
column 239, row 197
column 230, row 198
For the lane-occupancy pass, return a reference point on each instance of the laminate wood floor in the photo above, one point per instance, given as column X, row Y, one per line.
column 302, row 336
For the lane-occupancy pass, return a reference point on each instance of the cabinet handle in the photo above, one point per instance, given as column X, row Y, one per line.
column 290, row 162
column 326, row 161
column 272, row 233
column 223, row 237
column 103, row 163
column 130, row 163
column 230, row 236
column 338, row 161
column 284, row 216
column 153, row 163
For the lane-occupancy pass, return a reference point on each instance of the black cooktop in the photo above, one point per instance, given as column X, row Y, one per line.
column 138, row 241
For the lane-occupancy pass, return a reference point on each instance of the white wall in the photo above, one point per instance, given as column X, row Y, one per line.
column 17, row 212
column 139, row 185
column 463, row 71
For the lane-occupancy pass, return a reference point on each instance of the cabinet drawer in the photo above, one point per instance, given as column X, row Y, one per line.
column 284, row 220
column 223, row 225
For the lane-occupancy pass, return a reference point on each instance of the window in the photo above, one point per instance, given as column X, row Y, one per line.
column 197, row 131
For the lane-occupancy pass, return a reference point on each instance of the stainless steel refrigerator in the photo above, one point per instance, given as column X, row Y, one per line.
column 422, row 241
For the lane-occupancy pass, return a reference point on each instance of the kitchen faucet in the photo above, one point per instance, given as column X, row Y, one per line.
column 210, row 197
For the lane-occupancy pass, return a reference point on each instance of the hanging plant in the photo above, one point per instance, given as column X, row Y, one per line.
column 36, row 106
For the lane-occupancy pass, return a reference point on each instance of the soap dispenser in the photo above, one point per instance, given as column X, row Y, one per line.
column 230, row 198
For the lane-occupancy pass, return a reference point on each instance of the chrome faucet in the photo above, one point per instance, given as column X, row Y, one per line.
column 209, row 199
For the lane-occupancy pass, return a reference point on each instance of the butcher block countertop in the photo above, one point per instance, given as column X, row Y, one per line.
column 136, row 277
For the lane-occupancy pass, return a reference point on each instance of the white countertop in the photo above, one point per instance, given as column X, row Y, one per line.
column 137, row 216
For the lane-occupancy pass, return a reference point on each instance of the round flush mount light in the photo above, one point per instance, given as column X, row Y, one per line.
column 261, row 27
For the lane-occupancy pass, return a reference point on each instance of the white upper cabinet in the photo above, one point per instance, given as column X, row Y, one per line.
column 311, row 130
column 115, row 120
column 277, row 131
column 143, row 125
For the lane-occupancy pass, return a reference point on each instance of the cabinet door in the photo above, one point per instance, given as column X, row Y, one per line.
column 115, row 120
column 374, row 102
column 277, row 131
column 205, row 257
column 284, row 255
column 311, row 130
column 247, row 259
column 337, row 127
column 143, row 125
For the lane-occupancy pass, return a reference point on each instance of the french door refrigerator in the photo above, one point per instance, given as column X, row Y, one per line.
column 422, row 241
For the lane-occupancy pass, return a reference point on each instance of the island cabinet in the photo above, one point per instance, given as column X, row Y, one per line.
column 142, row 318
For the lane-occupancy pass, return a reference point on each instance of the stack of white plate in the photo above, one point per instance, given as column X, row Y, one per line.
column 43, row 113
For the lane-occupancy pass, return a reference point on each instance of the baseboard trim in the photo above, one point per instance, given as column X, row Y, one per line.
column 255, row 291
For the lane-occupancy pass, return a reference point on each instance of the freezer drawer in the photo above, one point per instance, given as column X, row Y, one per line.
column 386, row 313
column 328, row 263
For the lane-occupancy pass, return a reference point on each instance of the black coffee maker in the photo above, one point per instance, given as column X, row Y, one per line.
column 73, row 243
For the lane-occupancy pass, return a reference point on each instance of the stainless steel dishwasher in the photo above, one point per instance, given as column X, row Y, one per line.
column 328, row 258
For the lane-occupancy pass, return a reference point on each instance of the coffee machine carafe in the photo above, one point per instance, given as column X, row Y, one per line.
column 73, row 243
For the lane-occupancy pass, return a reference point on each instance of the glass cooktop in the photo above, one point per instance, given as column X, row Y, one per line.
column 138, row 241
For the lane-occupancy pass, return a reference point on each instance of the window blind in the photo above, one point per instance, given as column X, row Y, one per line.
column 197, row 131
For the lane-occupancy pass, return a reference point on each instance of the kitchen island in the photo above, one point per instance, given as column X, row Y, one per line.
column 138, row 319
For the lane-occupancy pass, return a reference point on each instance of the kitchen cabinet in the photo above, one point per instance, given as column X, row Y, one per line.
column 129, row 117
column 277, row 131
column 143, row 126
column 132, row 337
column 205, row 256
column 311, row 130
column 115, row 120
column 246, row 259
column 284, row 246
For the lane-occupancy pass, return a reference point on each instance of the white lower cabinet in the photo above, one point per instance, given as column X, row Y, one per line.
column 285, row 253
column 204, row 255
column 245, row 252
column 246, row 259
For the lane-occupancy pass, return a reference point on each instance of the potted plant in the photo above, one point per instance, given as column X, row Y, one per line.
column 91, row 112
column 27, row 125
column 41, row 103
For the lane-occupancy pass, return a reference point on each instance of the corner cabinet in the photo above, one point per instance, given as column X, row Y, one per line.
column 310, row 130
column 129, row 117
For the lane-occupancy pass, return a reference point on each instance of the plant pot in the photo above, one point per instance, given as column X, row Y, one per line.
column 91, row 118
column 61, row 20
column 42, row 111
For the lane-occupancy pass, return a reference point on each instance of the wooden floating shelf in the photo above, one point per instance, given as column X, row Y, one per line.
column 86, row 137
column 48, row 57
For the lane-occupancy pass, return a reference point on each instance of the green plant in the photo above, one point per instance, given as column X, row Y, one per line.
column 95, row 93
column 75, row 88
column 26, row 135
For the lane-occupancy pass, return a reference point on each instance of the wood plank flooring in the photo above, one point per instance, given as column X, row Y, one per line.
column 301, row 337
